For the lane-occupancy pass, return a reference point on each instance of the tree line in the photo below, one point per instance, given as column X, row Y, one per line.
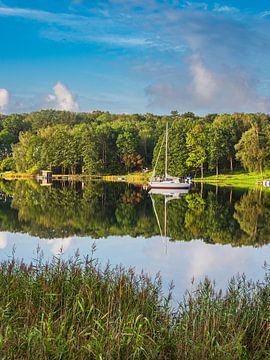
column 104, row 143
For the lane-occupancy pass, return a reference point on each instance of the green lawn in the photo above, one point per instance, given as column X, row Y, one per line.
column 237, row 179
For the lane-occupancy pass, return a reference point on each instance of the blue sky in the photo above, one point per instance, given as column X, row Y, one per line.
column 135, row 56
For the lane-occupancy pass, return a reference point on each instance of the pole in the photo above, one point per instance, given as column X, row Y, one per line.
column 166, row 152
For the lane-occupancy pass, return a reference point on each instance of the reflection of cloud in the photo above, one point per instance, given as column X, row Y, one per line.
column 206, row 260
column 58, row 246
column 185, row 260
column 3, row 240
column 179, row 261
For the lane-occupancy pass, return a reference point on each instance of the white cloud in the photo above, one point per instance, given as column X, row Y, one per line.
column 225, row 9
column 4, row 99
column 195, row 5
column 43, row 16
column 204, row 82
column 203, row 89
column 62, row 99
column 114, row 40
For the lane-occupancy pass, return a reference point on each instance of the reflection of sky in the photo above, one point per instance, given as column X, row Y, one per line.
column 177, row 261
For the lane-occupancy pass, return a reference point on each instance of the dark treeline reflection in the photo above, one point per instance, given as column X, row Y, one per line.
column 216, row 215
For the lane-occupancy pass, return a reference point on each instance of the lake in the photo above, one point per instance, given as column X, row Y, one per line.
column 211, row 231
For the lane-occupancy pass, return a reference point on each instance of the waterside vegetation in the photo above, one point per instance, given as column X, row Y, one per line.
column 76, row 310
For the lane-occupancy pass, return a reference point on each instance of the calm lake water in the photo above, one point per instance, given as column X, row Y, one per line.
column 214, row 232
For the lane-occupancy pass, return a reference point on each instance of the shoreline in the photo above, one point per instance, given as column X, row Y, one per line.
column 237, row 179
column 129, row 178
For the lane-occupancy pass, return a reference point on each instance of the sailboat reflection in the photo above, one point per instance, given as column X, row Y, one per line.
column 169, row 194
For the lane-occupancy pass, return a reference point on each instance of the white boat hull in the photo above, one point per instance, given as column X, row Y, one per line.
column 168, row 185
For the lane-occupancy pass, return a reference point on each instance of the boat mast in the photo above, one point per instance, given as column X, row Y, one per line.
column 166, row 152
column 154, row 171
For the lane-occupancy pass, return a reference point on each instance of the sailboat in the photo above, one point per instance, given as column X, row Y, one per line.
column 167, row 182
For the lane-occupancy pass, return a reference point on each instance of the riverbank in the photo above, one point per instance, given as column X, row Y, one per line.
column 75, row 310
column 238, row 179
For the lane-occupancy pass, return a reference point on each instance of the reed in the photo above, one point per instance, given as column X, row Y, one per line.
column 77, row 310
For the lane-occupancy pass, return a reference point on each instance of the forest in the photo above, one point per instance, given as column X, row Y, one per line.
column 103, row 143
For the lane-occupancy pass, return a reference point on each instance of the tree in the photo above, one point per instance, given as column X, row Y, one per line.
column 216, row 147
column 231, row 134
column 196, row 145
column 127, row 143
column 6, row 141
column 252, row 150
column 27, row 152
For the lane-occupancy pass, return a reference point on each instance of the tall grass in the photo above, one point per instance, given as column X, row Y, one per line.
column 77, row 310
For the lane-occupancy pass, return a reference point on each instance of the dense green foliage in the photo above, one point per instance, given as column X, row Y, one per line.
column 89, row 143
column 215, row 215
column 77, row 310
column 104, row 143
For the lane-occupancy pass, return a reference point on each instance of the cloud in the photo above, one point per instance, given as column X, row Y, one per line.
column 204, row 81
column 225, row 9
column 74, row 27
column 221, row 70
column 43, row 16
column 62, row 98
column 212, row 52
column 205, row 90
column 265, row 13
column 195, row 5
column 4, row 99
column 113, row 40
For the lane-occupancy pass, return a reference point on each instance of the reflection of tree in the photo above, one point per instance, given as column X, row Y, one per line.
column 103, row 209
column 97, row 210
column 126, row 215
column 194, row 217
column 252, row 213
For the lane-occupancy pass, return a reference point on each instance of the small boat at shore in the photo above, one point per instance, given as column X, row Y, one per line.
column 167, row 182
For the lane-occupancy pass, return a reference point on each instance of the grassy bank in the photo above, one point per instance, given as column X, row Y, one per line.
column 74, row 310
column 237, row 179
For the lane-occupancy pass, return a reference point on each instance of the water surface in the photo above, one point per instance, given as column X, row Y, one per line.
column 212, row 232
